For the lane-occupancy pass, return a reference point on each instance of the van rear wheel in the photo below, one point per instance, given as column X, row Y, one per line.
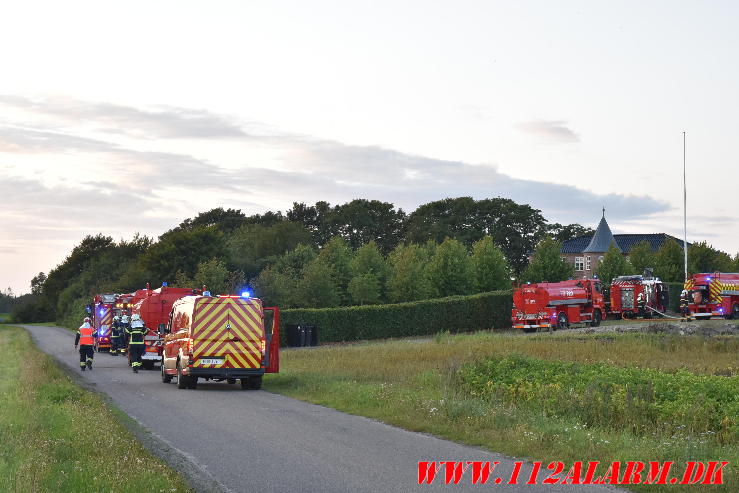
column 252, row 383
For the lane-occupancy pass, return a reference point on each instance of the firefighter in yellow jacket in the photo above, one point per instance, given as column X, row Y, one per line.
column 136, row 348
column 85, row 339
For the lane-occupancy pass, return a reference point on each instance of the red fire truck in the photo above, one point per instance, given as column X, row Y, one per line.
column 102, row 319
column 713, row 295
column 626, row 289
column 154, row 306
column 557, row 304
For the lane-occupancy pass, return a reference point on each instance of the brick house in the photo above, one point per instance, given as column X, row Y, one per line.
column 586, row 252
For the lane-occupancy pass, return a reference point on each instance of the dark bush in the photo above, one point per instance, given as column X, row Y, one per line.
column 456, row 314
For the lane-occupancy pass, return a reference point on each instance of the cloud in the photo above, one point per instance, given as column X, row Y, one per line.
column 139, row 184
column 553, row 131
column 163, row 122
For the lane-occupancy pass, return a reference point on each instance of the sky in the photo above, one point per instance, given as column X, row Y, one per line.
column 125, row 117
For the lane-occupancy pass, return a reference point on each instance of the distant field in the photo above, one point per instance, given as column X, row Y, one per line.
column 4, row 318
column 58, row 437
column 570, row 396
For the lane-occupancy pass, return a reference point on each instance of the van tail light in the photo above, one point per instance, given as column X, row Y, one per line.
column 189, row 346
column 263, row 346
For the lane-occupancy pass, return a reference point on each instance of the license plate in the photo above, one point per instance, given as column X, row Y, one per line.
column 210, row 361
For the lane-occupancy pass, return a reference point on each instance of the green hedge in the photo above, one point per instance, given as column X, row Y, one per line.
column 456, row 314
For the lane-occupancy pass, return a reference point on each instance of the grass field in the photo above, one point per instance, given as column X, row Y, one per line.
column 58, row 437
column 565, row 397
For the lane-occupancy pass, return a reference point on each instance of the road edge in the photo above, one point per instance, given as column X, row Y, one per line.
column 196, row 476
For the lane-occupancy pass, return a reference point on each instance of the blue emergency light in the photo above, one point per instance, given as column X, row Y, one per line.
column 245, row 294
column 164, row 284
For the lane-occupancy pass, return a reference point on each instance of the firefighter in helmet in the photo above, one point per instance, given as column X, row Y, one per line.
column 125, row 325
column 136, row 345
column 85, row 339
column 116, row 337
column 684, row 302
column 641, row 303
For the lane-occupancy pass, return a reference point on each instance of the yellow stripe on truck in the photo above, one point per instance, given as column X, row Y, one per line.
column 214, row 318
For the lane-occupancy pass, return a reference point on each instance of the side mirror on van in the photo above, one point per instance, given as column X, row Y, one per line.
column 162, row 329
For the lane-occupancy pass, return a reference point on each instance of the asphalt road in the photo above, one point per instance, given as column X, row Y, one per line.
column 237, row 440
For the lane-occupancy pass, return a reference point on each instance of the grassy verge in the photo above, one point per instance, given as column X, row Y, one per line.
column 441, row 387
column 58, row 437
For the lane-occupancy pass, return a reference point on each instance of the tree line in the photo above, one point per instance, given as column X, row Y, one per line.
column 360, row 252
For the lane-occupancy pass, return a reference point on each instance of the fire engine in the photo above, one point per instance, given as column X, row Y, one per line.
column 626, row 289
column 557, row 304
column 713, row 295
column 220, row 338
column 154, row 306
column 102, row 319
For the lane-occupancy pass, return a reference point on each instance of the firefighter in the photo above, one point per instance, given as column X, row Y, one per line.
column 641, row 302
column 136, row 345
column 85, row 339
column 684, row 302
column 125, row 326
column 116, row 337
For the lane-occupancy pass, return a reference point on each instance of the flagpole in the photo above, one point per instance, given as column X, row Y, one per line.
column 685, row 214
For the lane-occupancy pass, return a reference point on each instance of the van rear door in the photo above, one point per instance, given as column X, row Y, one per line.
column 228, row 332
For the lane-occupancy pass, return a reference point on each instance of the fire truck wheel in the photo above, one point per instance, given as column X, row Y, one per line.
column 735, row 311
column 562, row 322
column 231, row 380
column 165, row 378
column 147, row 365
column 193, row 383
column 596, row 319
column 183, row 382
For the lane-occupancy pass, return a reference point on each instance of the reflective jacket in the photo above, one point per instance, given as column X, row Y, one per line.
column 86, row 335
column 136, row 333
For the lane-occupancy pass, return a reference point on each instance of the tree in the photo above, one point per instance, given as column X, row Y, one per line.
column 251, row 247
column 213, row 274
column 491, row 268
column 563, row 233
column 365, row 289
column 182, row 250
column 315, row 218
column 225, row 220
column 642, row 257
column 317, row 288
column 367, row 263
column 515, row 228
column 614, row 264
column 37, row 283
column 668, row 264
column 547, row 263
column 702, row 257
column 450, row 270
column 361, row 221
column 337, row 255
column 408, row 280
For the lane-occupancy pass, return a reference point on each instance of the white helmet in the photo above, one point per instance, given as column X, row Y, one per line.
column 135, row 316
column 685, row 291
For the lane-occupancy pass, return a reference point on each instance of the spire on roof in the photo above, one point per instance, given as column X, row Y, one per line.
column 603, row 238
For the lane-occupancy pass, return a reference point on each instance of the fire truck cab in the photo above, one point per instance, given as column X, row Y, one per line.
column 626, row 289
column 556, row 305
column 713, row 295
column 102, row 319
column 220, row 338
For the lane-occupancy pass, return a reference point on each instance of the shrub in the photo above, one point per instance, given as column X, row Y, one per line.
column 455, row 314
